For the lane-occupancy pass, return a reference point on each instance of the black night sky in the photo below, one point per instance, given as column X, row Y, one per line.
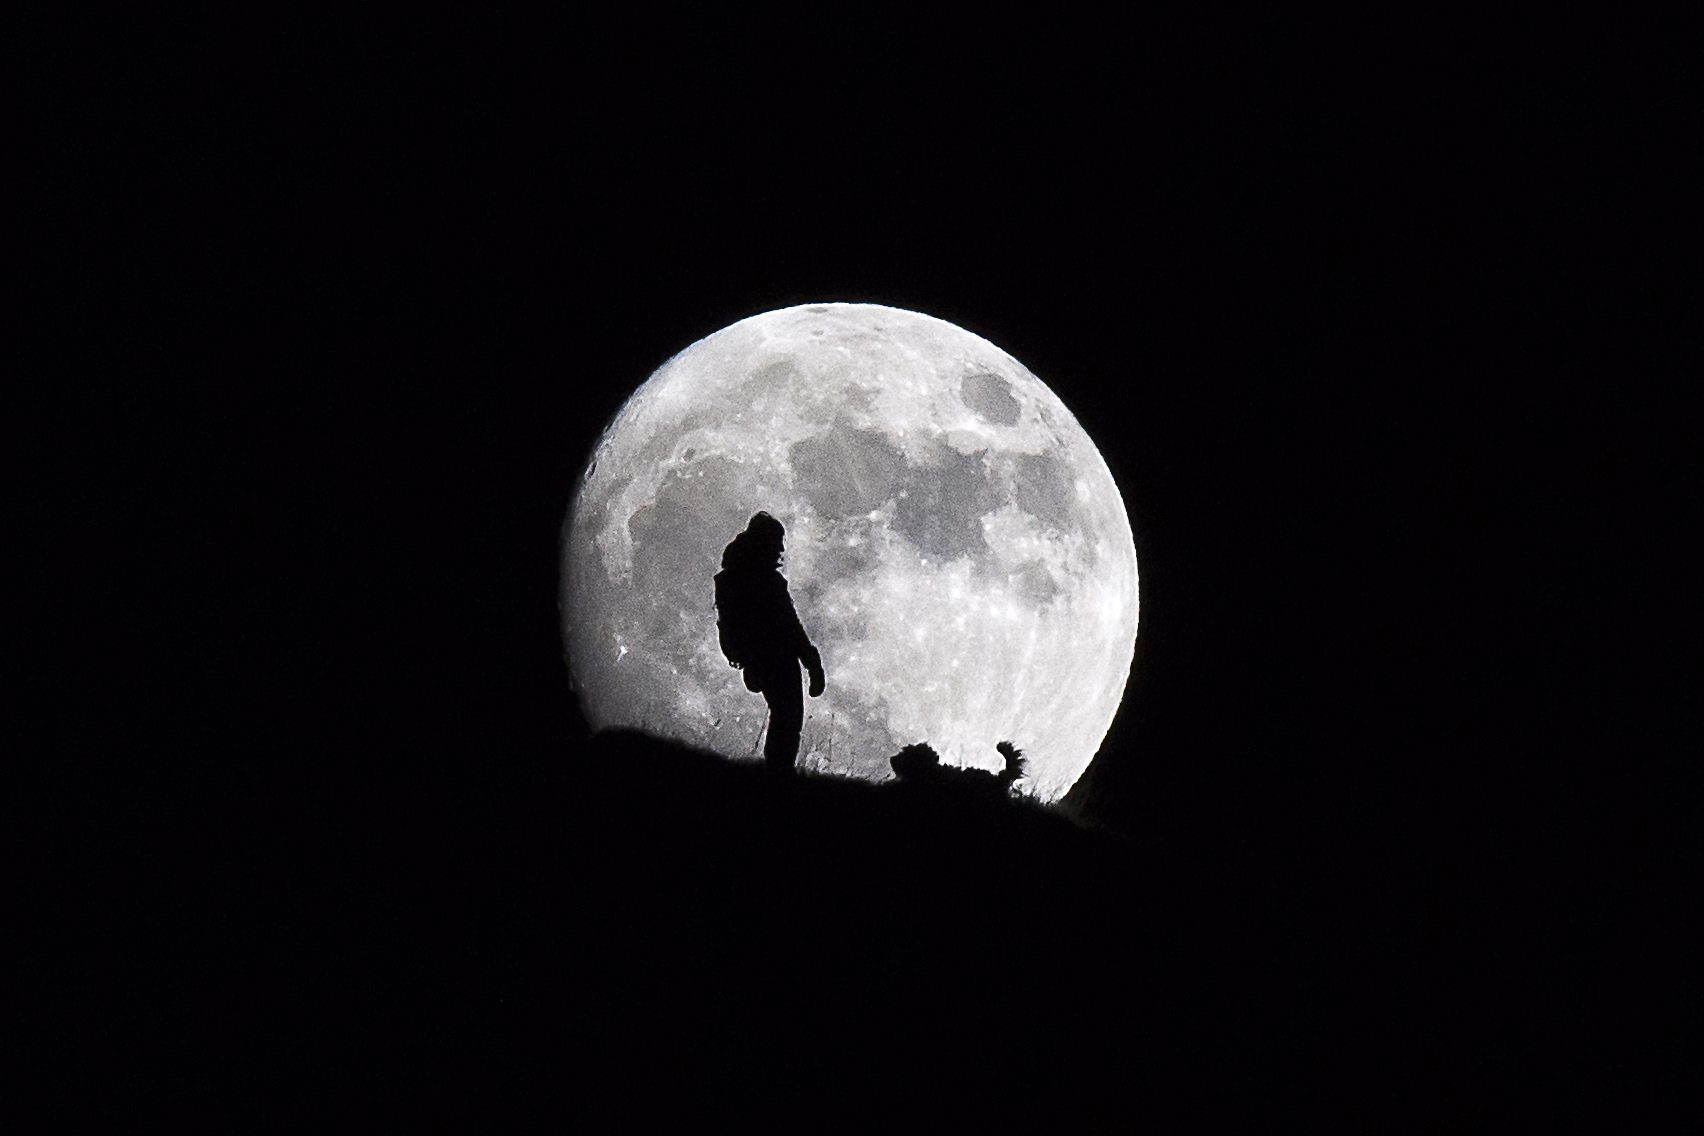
column 1374, row 322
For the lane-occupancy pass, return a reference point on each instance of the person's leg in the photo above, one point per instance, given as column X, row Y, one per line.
column 783, row 690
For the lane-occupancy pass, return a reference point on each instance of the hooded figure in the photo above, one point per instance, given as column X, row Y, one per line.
column 760, row 634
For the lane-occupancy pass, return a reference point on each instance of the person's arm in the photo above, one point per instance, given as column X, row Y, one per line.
column 806, row 650
column 811, row 657
column 813, row 664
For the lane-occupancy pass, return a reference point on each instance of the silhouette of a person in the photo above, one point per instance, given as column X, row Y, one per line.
column 760, row 633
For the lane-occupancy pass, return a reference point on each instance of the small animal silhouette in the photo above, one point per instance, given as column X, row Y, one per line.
column 920, row 765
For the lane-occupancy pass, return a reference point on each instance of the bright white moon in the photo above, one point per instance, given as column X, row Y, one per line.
column 956, row 546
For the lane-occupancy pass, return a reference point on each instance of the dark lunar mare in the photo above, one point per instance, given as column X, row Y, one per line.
column 760, row 633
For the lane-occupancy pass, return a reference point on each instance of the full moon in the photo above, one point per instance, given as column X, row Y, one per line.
column 955, row 546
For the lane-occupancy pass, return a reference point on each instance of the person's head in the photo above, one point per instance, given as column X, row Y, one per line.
column 759, row 546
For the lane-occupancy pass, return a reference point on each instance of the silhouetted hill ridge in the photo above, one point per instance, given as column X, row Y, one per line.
column 674, row 826
column 726, row 924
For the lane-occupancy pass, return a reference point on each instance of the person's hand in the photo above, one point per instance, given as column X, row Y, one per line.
column 817, row 682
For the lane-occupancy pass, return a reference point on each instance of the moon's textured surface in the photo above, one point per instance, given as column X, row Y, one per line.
column 956, row 546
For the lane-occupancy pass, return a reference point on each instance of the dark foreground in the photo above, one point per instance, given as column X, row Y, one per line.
column 640, row 932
